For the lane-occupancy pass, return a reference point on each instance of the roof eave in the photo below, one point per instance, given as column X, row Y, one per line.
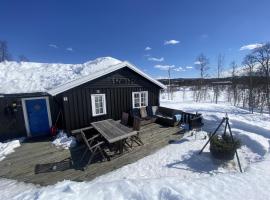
column 77, row 82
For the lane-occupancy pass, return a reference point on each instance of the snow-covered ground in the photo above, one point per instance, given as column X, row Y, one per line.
column 8, row 147
column 177, row 171
column 185, row 94
column 63, row 141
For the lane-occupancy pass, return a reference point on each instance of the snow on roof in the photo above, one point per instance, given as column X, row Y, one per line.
column 28, row 77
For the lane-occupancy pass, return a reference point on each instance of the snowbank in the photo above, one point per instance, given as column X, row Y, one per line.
column 8, row 147
column 63, row 141
column 252, row 185
column 25, row 77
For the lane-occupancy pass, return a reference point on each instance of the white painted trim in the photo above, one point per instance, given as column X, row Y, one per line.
column 133, row 102
column 77, row 82
column 94, row 105
column 26, row 120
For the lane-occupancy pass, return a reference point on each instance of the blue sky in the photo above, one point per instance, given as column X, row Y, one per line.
column 175, row 30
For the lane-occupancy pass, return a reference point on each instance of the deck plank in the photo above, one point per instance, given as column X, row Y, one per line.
column 20, row 165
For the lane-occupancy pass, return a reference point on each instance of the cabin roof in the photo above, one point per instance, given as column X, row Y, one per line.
column 85, row 79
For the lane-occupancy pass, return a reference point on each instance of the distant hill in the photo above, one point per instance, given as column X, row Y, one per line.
column 213, row 81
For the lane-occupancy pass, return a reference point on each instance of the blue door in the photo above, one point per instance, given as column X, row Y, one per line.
column 37, row 117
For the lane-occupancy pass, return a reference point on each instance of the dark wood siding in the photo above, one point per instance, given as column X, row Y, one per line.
column 12, row 122
column 117, row 86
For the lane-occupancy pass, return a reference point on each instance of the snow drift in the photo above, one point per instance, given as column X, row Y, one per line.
column 8, row 147
column 26, row 77
column 63, row 141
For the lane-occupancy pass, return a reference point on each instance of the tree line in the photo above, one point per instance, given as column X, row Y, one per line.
column 248, row 89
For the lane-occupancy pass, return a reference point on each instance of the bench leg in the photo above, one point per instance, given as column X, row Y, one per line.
column 86, row 150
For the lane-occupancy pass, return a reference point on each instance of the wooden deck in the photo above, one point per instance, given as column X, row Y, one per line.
column 20, row 165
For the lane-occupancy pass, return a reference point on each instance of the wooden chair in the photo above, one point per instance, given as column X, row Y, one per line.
column 136, row 127
column 94, row 146
column 124, row 119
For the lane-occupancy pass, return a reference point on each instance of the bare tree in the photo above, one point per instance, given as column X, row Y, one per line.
column 23, row 58
column 202, row 64
column 169, row 88
column 249, row 63
column 234, row 85
column 4, row 54
column 220, row 63
column 262, row 57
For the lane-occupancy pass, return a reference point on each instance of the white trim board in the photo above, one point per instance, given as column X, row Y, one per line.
column 77, row 82
column 26, row 120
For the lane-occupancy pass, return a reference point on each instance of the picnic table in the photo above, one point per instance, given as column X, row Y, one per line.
column 114, row 132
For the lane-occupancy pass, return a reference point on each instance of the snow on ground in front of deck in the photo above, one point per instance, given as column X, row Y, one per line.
column 8, row 147
column 63, row 141
column 177, row 171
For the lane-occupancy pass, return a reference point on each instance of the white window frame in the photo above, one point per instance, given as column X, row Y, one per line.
column 140, row 99
column 94, row 105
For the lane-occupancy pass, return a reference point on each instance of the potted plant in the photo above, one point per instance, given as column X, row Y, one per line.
column 224, row 147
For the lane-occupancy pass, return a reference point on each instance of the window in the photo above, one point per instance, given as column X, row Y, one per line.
column 139, row 99
column 98, row 104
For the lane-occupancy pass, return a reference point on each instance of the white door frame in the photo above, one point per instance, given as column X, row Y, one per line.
column 26, row 120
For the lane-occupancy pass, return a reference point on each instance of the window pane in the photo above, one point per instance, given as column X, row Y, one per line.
column 101, row 110
column 97, row 111
column 142, row 94
column 101, row 104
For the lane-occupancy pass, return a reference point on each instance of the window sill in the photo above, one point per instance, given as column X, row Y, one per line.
column 99, row 115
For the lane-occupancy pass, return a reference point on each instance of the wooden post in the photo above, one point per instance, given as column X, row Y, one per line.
column 239, row 165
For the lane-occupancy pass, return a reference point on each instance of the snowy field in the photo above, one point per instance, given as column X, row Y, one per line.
column 177, row 171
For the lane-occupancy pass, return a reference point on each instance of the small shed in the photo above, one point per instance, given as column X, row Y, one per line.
column 74, row 104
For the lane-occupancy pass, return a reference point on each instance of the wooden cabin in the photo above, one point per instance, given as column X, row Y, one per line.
column 75, row 104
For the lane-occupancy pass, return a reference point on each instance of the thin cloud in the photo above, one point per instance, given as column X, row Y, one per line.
column 147, row 48
column 69, row 49
column 197, row 62
column 53, row 46
column 156, row 59
column 251, row 46
column 171, row 42
column 161, row 77
column 189, row 67
column 164, row 67
column 179, row 69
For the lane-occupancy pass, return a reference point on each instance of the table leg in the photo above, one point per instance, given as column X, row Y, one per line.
column 121, row 146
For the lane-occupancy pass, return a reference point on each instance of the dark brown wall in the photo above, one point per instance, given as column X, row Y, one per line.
column 118, row 87
column 12, row 122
